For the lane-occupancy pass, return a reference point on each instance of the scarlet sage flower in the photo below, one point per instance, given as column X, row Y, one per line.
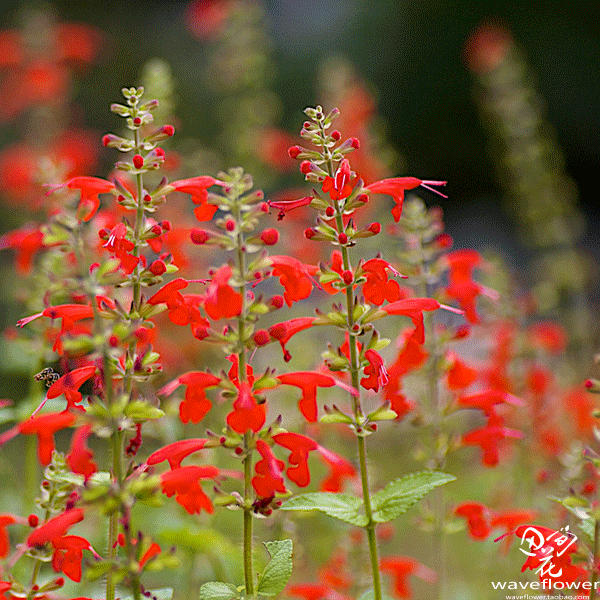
column 55, row 527
column 400, row 568
column 174, row 453
column 478, row 518
column 206, row 18
column 90, row 188
column 69, row 313
column 196, row 404
column 548, row 335
column 341, row 184
column 486, row 400
column 197, row 188
column 120, row 247
column 170, row 295
column 26, row 242
column 282, row 332
column 247, row 414
column 70, row 383
column 308, row 382
column 183, row 482
column 509, row 521
column 285, row 206
column 295, row 276
column 375, row 371
column 396, row 186
column 339, row 470
column 268, row 480
column 68, row 554
column 459, row 375
column 461, row 286
column 80, row 456
column 379, row 288
column 5, row 520
column 45, row 426
column 489, row 439
column 299, row 446
column 221, row 300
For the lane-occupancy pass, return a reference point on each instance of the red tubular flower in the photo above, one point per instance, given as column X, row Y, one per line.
column 300, row 446
column 68, row 555
column 247, row 414
column 70, row 383
column 45, row 426
column 377, row 375
column 379, row 288
column 312, row 591
column 55, row 527
column 153, row 550
column 221, row 300
column 69, row 313
column 176, row 452
column 80, row 456
column 509, row 521
column 118, row 245
column 282, row 332
column 5, row 520
column 413, row 308
column 170, row 295
column 460, row 375
column 396, row 186
column 184, row 483
column 4, row 587
column 400, row 567
column 549, row 336
column 308, row 382
column 489, row 439
column 268, row 480
column 340, row 185
column 461, row 286
column 486, row 401
column 197, row 187
column 90, row 188
column 195, row 405
column 478, row 518
column 294, row 276
column 287, row 205
column 26, row 242
column 339, row 470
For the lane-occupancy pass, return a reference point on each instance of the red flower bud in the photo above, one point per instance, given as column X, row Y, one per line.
column 329, row 211
column 33, row 520
column 374, row 228
column 589, row 384
column 336, row 135
column 199, row 236
column 156, row 229
column 342, row 238
column 230, row 225
column 138, row 161
column 261, row 337
column 444, row 240
column 276, row 301
column 158, row 267
column 167, row 130
column 269, row 237
column 137, row 121
column 166, row 225
column 347, row 277
column 305, row 166
column 113, row 341
column 106, row 140
column 310, row 233
column 355, row 143
column 294, row 151
column 238, row 450
column 104, row 233
column 147, row 198
column 363, row 198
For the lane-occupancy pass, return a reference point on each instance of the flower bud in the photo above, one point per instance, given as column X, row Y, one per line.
column 261, row 337
column 294, row 151
column 336, row 135
column 166, row 225
column 347, row 277
column 374, row 228
column 330, row 211
column 310, row 233
column 342, row 238
column 276, row 302
column 138, row 161
column 269, row 237
column 158, row 268
column 33, row 520
column 199, row 236
column 305, row 167
column 230, row 225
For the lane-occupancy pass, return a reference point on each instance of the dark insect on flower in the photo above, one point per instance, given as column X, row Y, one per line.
column 48, row 375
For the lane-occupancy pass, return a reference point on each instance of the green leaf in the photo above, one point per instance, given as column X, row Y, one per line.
column 215, row 590
column 139, row 410
column 341, row 506
column 399, row 495
column 278, row 570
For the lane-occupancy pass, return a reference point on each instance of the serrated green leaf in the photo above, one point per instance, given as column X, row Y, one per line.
column 399, row 495
column 278, row 570
column 139, row 410
column 341, row 506
column 215, row 590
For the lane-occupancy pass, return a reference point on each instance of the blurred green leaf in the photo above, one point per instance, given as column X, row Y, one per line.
column 278, row 570
column 341, row 506
column 215, row 590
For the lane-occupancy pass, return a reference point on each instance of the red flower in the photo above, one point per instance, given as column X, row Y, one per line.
column 339, row 470
column 70, row 383
column 400, row 567
column 340, row 185
column 196, row 404
column 90, row 188
column 489, row 439
column 460, row 375
column 378, row 288
column 485, row 401
column 206, row 18
column 282, row 332
column 169, row 294
column 396, row 186
column 176, row 452
column 26, row 242
column 509, row 521
column 221, row 300
column 268, row 479
column 5, row 520
column 478, row 518
column 120, row 246
column 68, row 555
column 300, row 446
column 461, row 286
column 247, row 414
column 294, row 276
column 308, row 382
column 377, row 375
column 184, row 482
column 80, row 456
column 197, row 187
column 549, row 336
column 55, row 527
column 45, row 426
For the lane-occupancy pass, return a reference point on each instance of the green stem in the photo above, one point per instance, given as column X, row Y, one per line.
column 248, row 519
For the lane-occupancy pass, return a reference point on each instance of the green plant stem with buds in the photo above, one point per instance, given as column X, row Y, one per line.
column 356, row 400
